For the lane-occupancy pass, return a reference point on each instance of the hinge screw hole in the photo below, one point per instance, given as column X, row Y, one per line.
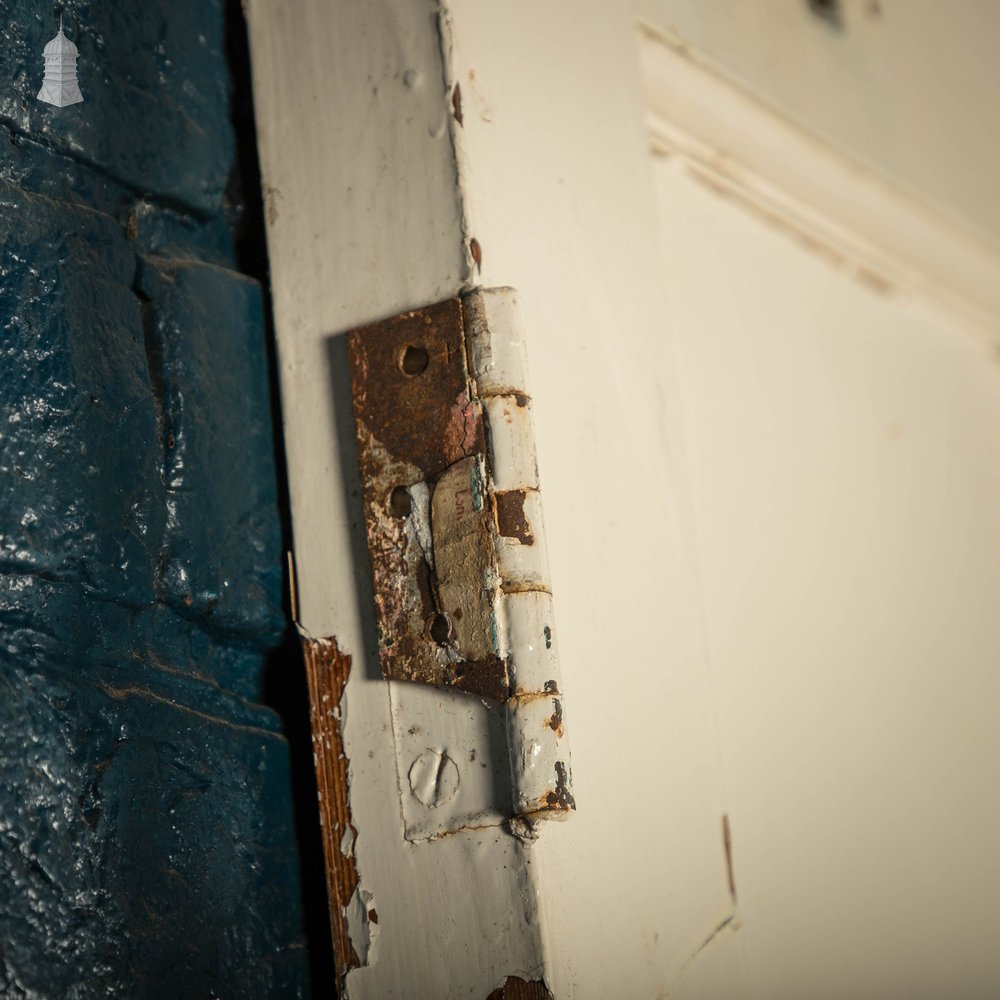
column 414, row 361
column 400, row 503
column 439, row 629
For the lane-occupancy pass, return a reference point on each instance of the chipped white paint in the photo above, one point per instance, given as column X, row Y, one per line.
column 418, row 521
column 557, row 189
column 496, row 339
column 536, row 734
column 460, row 516
column 347, row 843
column 363, row 930
column 533, row 637
column 536, row 741
column 526, row 567
column 512, row 444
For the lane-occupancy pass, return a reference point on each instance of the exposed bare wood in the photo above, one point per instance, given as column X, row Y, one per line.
column 516, row 988
column 327, row 670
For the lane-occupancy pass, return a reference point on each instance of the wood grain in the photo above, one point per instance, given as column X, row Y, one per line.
column 327, row 670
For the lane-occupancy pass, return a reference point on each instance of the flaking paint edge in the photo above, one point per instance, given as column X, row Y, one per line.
column 353, row 919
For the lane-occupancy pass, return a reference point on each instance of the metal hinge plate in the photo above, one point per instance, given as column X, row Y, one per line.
column 454, row 522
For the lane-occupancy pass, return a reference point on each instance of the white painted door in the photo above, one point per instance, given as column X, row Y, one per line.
column 755, row 247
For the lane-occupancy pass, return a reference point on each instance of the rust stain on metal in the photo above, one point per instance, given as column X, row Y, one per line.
column 487, row 678
column 561, row 798
column 511, row 519
column 456, row 103
column 516, row 988
column 476, row 251
column 419, row 427
column 727, row 847
column 327, row 670
column 452, row 514
column 411, row 390
column 555, row 719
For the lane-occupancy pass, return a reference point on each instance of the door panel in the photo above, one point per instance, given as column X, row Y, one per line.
column 843, row 446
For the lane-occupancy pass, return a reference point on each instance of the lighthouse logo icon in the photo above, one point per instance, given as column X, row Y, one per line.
column 60, row 86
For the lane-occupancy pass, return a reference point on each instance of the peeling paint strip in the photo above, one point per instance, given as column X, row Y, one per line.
column 327, row 670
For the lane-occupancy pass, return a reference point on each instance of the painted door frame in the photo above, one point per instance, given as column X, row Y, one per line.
column 411, row 152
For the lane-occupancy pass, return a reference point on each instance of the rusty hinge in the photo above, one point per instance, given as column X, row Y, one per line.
column 454, row 522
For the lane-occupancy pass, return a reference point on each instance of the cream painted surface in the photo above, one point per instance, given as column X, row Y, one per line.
column 717, row 970
column 633, row 884
column 845, row 451
column 860, row 220
column 908, row 87
column 770, row 499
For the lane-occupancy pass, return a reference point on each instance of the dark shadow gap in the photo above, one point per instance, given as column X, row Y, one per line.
column 284, row 688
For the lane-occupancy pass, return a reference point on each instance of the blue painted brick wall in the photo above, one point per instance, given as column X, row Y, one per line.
column 146, row 840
